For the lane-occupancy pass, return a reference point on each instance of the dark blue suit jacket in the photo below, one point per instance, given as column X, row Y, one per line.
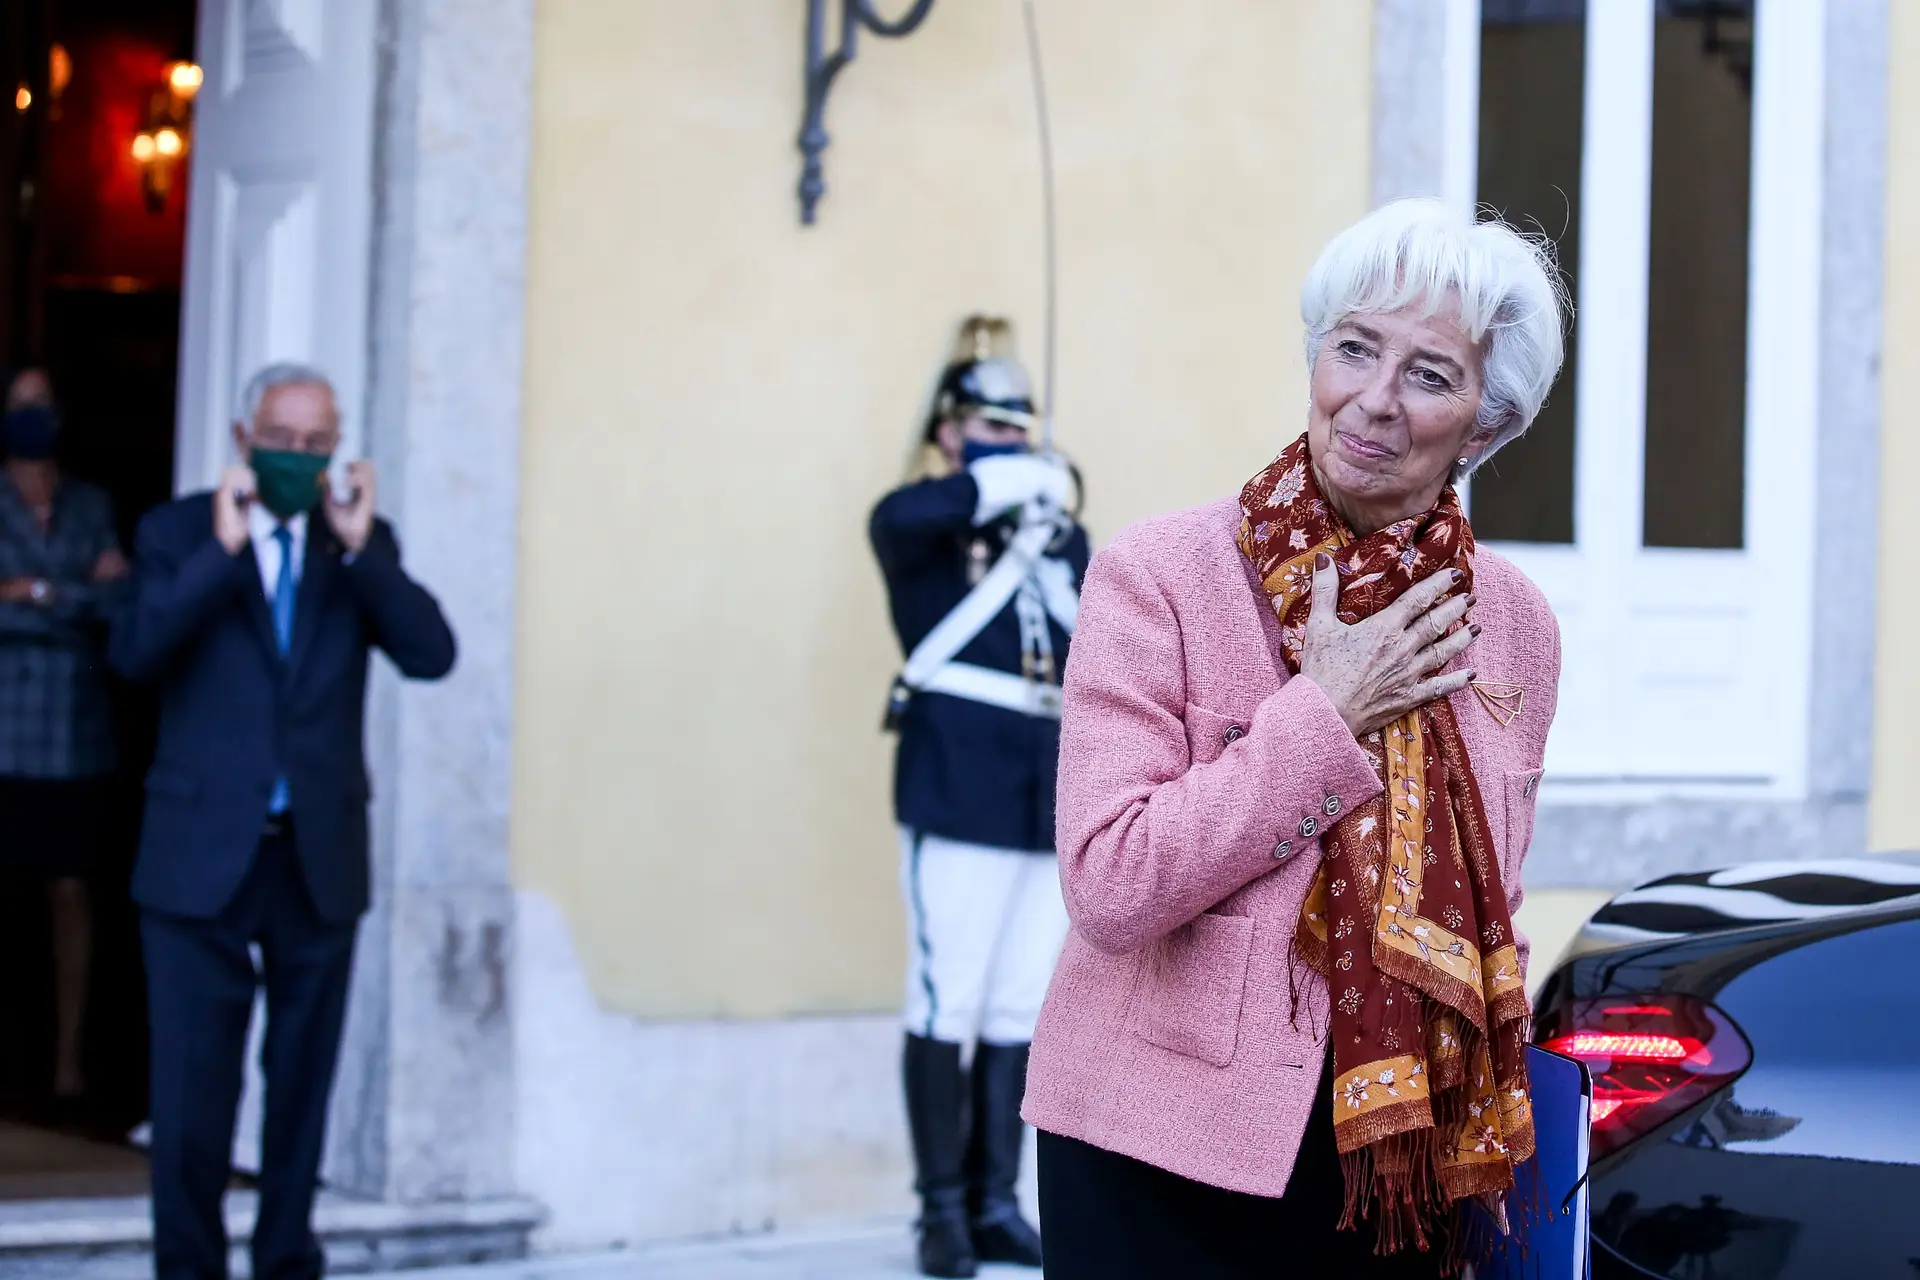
column 234, row 714
column 965, row 770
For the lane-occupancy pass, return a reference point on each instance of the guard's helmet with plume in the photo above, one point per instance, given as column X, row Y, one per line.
column 984, row 378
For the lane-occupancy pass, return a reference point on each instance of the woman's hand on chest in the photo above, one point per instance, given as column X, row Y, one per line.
column 1380, row 668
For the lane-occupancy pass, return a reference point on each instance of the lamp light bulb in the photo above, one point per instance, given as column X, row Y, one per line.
column 143, row 147
column 169, row 143
column 185, row 79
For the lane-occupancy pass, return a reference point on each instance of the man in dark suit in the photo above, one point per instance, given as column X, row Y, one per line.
column 254, row 610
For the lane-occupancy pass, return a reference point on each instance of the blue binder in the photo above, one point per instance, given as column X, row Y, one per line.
column 1556, row 1240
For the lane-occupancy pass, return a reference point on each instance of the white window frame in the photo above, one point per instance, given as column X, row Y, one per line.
column 1686, row 673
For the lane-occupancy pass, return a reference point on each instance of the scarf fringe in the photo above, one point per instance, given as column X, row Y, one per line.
column 1295, row 962
column 1472, row 1235
column 1395, row 1184
column 1293, row 982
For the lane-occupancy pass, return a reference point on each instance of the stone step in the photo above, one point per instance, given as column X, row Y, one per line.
column 112, row 1239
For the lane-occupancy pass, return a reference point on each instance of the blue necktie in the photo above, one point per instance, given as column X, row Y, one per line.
column 283, row 594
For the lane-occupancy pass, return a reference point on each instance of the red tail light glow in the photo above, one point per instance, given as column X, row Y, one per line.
column 1637, row 1048
column 1651, row 1057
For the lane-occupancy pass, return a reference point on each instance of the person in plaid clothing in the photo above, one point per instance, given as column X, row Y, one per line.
column 61, row 573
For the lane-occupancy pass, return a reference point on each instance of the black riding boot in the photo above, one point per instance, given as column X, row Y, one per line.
column 1000, row 1234
column 936, row 1107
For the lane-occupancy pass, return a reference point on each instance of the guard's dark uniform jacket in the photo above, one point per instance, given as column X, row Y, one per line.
column 966, row 770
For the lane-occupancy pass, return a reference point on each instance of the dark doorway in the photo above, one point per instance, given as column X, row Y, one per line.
column 93, row 189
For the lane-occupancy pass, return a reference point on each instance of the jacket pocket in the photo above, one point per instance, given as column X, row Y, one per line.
column 1523, row 793
column 1209, row 733
column 1191, row 985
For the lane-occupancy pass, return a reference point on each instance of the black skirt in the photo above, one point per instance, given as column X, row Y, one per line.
column 1105, row 1216
column 52, row 827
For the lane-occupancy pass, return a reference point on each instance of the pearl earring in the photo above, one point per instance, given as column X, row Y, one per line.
column 1463, row 462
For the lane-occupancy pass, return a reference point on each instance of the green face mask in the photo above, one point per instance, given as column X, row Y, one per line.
column 289, row 482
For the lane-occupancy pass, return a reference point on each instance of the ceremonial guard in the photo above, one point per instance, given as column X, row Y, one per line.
column 983, row 565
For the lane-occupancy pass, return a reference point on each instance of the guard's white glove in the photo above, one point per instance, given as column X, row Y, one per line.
column 1011, row 480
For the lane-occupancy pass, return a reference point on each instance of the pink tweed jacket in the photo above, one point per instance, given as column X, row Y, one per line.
column 1190, row 766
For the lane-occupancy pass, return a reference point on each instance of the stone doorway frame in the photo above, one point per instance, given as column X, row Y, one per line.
column 423, row 1109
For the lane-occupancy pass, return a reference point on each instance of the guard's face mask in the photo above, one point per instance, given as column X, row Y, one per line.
column 971, row 451
column 288, row 481
column 31, row 431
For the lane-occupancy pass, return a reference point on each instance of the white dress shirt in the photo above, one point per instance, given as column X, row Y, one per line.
column 261, row 525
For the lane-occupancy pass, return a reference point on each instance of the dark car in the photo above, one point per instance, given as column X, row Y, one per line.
column 1754, row 1039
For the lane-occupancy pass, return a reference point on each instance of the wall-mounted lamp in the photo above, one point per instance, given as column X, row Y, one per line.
column 59, row 72
column 821, row 69
column 163, row 143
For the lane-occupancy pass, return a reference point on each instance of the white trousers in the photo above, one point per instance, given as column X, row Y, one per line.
column 984, row 930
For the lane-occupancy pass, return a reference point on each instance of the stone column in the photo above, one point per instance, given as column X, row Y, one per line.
column 1409, row 98
column 424, row 1108
column 1847, row 485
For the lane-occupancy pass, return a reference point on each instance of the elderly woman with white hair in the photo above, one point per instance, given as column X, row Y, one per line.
column 1302, row 732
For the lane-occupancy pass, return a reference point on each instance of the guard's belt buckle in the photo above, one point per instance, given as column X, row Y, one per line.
column 897, row 699
column 1046, row 697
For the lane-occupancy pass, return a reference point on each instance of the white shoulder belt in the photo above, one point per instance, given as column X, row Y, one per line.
column 931, row 668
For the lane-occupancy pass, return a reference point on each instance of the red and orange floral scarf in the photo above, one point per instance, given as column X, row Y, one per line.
column 1407, row 917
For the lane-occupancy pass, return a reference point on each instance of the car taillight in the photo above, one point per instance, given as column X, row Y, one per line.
column 1651, row 1056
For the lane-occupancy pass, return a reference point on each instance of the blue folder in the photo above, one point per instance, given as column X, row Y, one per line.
column 1556, row 1239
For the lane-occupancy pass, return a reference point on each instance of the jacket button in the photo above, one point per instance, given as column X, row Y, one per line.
column 1309, row 828
column 1332, row 806
column 1283, row 849
column 1234, row 734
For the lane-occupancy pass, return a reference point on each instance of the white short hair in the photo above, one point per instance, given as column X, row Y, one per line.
column 283, row 373
column 1513, row 301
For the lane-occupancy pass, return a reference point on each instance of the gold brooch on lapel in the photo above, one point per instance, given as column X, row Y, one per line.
column 1504, row 702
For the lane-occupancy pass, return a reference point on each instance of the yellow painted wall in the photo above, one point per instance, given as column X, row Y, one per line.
column 716, row 397
column 1550, row 918
column 1893, row 817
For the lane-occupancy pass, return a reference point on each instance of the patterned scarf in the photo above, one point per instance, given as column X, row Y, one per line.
column 1407, row 918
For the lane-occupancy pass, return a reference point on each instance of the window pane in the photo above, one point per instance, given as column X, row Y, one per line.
column 1697, row 274
column 1532, row 69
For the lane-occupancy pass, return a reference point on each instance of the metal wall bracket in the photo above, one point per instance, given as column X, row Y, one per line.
column 821, row 69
